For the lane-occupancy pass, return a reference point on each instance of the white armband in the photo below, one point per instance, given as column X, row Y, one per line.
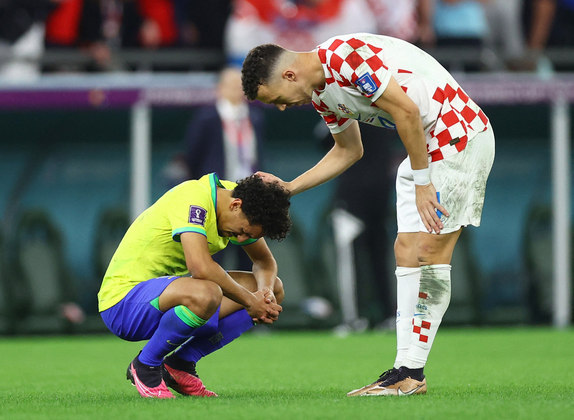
column 421, row 176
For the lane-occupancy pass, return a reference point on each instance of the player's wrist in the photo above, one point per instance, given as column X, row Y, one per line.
column 421, row 176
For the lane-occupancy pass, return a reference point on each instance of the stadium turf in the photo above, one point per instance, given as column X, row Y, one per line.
column 514, row 373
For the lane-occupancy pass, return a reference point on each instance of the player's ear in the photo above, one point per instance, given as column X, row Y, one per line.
column 289, row 75
column 236, row 204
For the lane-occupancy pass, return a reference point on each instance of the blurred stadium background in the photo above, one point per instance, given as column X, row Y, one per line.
column 82, row 153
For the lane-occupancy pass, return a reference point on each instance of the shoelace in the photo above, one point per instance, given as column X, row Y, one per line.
column 385, row 375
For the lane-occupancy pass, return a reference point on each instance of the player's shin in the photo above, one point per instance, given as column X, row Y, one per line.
column 407, row 293
column 230, row 327
column 175, row 327
column 433, row 301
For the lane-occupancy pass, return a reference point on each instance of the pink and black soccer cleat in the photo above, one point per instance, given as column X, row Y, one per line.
column 182, row 377
column 148, row 380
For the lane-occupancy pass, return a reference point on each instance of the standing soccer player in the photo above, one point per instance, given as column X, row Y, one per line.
column 162, row 284
column 440, row 186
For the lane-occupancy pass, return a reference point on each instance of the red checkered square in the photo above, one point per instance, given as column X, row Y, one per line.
column 335, row 62
column 426, row 325
column 417, row 329
column 336, row 43
column 354, row 60
column 423, row 295
column 424, row 338
column 374, row 49
column 374, row 62
column 439, row 95
column 355, row 43
column 468, row 114
column 450, row 118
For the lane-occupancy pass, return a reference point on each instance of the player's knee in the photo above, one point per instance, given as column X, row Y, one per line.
column 278, row 290
column 205, row 297
column 405, row 252
column 428, row 253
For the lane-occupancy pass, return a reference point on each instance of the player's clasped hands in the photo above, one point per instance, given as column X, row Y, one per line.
column 428, row 205
column 265, row 309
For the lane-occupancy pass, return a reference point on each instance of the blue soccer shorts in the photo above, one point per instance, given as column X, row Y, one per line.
column 137, row 316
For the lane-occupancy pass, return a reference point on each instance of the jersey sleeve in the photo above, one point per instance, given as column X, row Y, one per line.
column 191, row 214
column 359, row 64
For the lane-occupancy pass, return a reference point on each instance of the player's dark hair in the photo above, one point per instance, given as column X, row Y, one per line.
column 265, row 204
column 258, row 67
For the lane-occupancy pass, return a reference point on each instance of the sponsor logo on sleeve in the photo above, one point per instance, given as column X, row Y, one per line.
column 197, row 215
column 366, row 84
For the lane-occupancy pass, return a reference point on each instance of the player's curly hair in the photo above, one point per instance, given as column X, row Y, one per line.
column 258, row 67
column 265, row 204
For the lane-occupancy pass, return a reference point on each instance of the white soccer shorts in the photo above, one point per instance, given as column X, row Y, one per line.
column 460, row 181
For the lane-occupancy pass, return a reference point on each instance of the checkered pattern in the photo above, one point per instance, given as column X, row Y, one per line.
column 358, row 68
column 459, row 114
column 349, row 59
column 419, row 329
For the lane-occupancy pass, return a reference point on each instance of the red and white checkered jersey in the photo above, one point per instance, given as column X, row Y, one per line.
column 358, row 68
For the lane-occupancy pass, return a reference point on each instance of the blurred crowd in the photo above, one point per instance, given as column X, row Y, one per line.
column 505, row 34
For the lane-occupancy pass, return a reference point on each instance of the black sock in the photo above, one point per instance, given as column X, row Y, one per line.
column 416, row 374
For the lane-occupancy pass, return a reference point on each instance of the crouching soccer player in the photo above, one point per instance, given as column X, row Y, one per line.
column 163, row 286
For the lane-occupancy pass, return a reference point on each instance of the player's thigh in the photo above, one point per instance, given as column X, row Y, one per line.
column 137, row 315
column 461, row 182
column 197, row 294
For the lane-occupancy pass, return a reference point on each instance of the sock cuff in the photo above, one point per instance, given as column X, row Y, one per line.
column 405, row 271
column 187, row 316
column 446, row 267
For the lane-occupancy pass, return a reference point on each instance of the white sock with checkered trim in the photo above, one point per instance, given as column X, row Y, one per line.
column 433, row 300
column 407, row 291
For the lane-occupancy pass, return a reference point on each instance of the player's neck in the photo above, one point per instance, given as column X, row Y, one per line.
column 313, row 69
column 224, row 199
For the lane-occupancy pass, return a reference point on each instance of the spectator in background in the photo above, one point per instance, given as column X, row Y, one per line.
column 505, row 36
column 226, row 138
column 296, row 24
column 78, row 24
column 21, row 37
column 409, row 20
column 551, row 22
column 149, row 24
column 460, row 23
column 202, row 23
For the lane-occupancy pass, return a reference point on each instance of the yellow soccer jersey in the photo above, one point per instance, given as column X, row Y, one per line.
column 151, row 247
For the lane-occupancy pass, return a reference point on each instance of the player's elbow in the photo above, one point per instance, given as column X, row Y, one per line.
column 278, row 290
column 200, row 271
column 354, row 153
column 411, row 112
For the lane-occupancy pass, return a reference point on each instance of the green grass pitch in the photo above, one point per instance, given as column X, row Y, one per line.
column 514, row 373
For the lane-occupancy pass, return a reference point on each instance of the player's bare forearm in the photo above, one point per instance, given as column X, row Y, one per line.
column 264, row 265
column 202, row 266
column 406, row 115
column 347, row 150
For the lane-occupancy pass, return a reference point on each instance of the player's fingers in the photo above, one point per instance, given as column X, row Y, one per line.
column 432, row 222
column 444, row 211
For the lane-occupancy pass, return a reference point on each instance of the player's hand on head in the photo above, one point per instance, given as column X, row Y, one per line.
column 270, row 178
column 428, row 205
